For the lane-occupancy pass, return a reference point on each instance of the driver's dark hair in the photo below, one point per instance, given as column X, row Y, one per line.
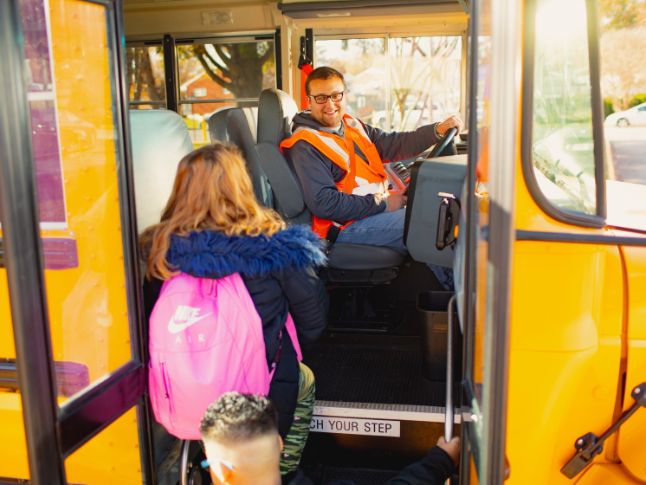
column 323, row 72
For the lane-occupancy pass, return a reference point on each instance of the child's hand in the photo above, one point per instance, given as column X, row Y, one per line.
column 452, row 448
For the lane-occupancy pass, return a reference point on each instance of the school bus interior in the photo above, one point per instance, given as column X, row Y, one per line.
column 387, row 317
column 554, row 213
column 553, row 260
column 384, row 354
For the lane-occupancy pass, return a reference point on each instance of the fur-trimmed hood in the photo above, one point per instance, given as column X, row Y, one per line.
column 212, row 254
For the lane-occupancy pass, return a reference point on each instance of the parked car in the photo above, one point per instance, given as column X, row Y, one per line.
column 635, row 116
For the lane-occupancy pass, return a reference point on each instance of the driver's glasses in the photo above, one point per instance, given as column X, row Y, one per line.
column 322, row 98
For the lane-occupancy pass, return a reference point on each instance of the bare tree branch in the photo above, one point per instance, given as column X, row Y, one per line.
column 203, row 53
column 225, row 57
column 223, row 51
column 211, row 73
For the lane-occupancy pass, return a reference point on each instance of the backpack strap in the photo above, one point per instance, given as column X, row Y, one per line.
column 290, row 327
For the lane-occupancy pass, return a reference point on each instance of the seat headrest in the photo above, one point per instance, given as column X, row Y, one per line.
column 251, row 113
column 218, row 125
column 224, row 121
column 239, row 130
column 231, row 124
column 160, row 140
column 275, row 112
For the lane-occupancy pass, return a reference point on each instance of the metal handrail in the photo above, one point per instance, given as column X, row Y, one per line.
column 448, row 409
column 183, row 462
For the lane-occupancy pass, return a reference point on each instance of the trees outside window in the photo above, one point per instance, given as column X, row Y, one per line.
column 211, row 75
column 623, row 85
column 145, row 74
column 397, row 83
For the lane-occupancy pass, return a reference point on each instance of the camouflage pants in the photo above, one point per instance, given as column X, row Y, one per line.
column 300, row 429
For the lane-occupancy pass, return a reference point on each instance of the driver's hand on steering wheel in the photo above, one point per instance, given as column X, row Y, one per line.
column 451, row 122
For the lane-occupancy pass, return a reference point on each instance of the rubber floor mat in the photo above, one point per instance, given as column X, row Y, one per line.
column 372, row 373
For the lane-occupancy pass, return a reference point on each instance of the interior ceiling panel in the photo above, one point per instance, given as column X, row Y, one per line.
column 302, row 9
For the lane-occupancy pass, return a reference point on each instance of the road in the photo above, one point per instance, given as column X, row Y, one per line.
column 628, row 152
column 626, row 201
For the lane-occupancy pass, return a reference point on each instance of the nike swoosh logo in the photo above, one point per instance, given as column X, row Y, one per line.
column 179, row 327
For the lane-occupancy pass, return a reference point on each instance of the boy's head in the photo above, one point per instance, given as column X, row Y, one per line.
column 241, row 440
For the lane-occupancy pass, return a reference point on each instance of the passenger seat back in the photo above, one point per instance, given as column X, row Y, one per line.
column 218, row 126
column 159, row 141
column 275, row 112
column 232, row 125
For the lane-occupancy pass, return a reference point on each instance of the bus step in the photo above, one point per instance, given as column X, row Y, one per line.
column 371, row 436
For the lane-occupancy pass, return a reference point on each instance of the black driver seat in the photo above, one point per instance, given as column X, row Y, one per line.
column 347, row 263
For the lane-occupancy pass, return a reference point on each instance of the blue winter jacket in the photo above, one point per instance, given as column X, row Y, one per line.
column 280, row 274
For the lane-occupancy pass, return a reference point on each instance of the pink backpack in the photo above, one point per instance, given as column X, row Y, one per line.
column 205, row 339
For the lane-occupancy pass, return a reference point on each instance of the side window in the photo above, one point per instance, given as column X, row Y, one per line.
column 623, row 87
column 215, row 74
column 562, row 147
column 146, row 81
column 212, row 74
column 397, row 83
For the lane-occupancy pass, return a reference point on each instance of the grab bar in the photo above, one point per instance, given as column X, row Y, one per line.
column 448, row 409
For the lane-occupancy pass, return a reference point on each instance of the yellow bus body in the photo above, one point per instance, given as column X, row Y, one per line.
column 88, row 314
column 577, row 322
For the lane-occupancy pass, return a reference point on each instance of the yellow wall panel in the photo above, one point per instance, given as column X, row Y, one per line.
column 13, row 448
column 112, row 457
column 565, row 353
column 632, row 443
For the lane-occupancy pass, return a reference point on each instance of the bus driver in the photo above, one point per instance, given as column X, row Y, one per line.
column 338, row 160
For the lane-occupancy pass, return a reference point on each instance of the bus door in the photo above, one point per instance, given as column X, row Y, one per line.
column 556, row 254
column 72, row 377
column 483, row 306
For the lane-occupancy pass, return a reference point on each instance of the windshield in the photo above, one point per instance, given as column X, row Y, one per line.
column 564, row 166
column 563, row 147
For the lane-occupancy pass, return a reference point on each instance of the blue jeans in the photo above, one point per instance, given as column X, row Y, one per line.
column 387, row 229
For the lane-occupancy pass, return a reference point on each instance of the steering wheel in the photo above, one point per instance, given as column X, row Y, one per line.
column 441, row 144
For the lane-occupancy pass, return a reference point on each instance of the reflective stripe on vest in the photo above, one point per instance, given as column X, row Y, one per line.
column 360, row 178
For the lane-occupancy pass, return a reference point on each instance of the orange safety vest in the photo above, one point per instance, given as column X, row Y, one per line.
column 360, row 178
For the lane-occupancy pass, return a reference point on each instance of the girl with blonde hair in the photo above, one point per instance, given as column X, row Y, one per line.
column 213, row 226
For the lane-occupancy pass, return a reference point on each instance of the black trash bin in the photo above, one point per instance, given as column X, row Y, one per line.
column 432, row 310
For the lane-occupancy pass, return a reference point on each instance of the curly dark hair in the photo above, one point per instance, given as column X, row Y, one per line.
column 236, row 417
